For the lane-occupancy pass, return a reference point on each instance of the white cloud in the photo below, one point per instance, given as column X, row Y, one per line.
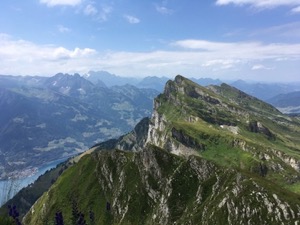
column 241, row 50
column 100, row 13
column 132, row 19
column 296, row 10
column 260, row 3
column 90, row 10
column 63, row 29
column 63, row 53
column 260, row 67
column 61, row 2
column 188, row 57
column 23, row 57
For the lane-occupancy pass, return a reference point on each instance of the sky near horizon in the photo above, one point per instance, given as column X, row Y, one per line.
column 226, row 39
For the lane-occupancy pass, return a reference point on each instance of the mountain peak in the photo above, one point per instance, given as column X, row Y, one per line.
column 179, row 79
column 190, row 119
column 182, row 85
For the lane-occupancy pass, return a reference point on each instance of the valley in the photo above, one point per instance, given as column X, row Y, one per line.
column 45, row 119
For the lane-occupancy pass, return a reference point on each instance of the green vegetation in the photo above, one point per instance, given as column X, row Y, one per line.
column 232, row 129
column 184, row 190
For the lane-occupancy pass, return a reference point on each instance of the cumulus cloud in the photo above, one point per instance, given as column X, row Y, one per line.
column 23, row 57
column 260, row 67
column 132, row 19
column 187, row 57
column 51, row 3
column 59, row 53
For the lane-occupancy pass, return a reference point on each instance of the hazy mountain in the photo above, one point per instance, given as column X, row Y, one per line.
column 62, row 115
column 71, row 85
column 265, row 91
column 211, row 155
column 287, row 103
column 206, row 81
column 109, row 79
column 158, row 83
column 10, row 82
column 153, row 82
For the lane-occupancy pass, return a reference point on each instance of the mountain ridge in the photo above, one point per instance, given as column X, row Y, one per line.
column 202, row 157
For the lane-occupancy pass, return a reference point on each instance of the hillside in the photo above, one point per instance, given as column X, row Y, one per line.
column 156, row 187
column 210, row 155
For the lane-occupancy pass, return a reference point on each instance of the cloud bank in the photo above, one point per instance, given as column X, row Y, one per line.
column 185, row 57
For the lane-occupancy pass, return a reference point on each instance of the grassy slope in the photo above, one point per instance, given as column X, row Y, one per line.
column 219, row 142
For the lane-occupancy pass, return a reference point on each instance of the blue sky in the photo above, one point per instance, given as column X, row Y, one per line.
column 226, row 39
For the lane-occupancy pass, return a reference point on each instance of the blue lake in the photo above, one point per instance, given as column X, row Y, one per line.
column 8, row 188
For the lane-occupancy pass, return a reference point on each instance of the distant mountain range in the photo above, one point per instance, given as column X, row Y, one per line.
column 43, row 119
column 263, row 91
column 287, row 103
column 152, row 82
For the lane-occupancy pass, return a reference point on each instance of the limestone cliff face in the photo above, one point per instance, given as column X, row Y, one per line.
column 162, row 135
